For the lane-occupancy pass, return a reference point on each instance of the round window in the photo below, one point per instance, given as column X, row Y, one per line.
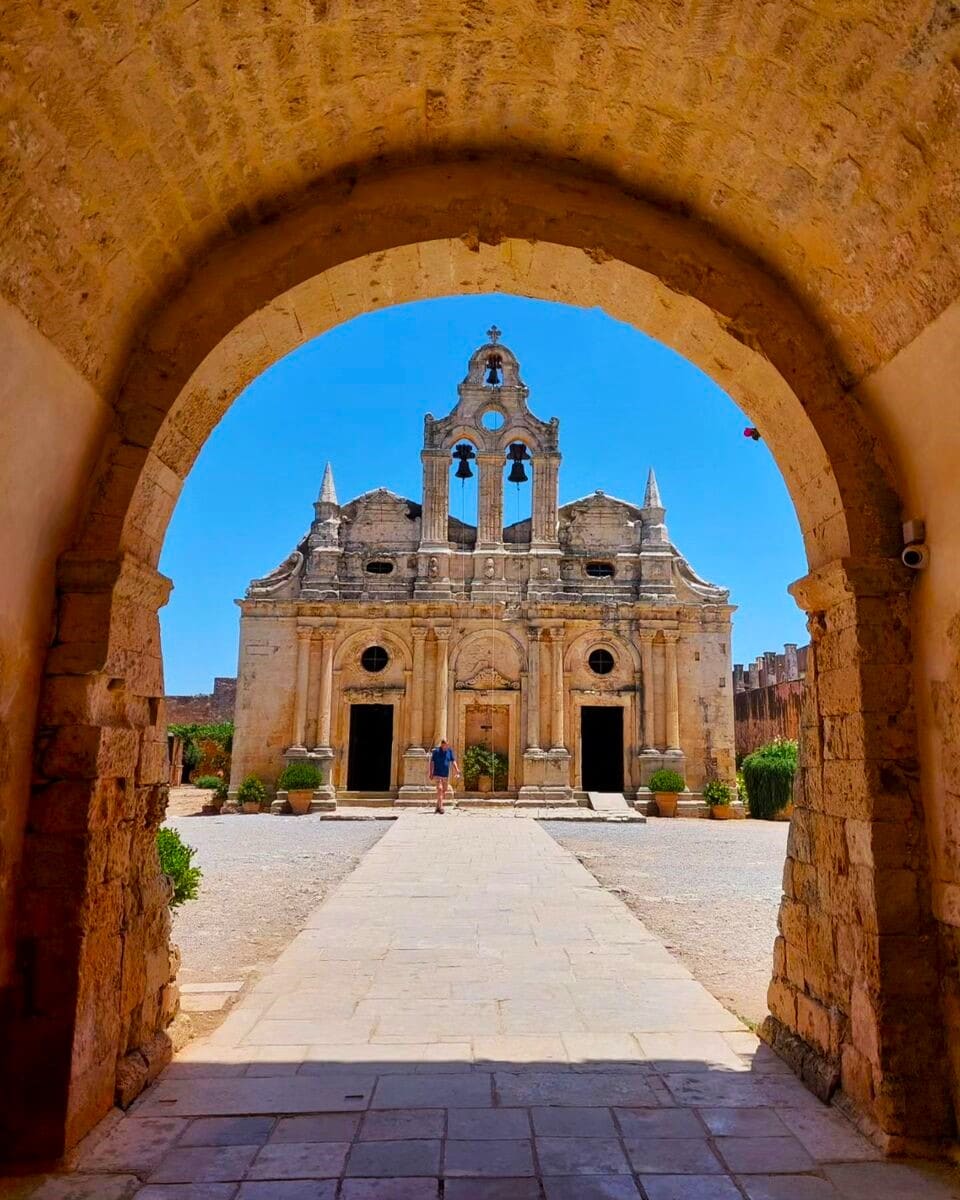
column 601, row 662
column 492, row 419
column 374, row 659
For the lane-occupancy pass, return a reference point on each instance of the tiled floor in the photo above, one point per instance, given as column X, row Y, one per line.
column 471, row 1016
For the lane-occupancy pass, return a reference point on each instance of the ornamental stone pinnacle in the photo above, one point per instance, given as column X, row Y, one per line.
column 328, row 490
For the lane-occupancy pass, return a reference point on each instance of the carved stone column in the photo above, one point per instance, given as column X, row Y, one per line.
column 416, row 787
column 442, row 686
column 649, row 734
column 672, row 688
column 416, row 700
column 326, row 689
column 557, row 693
column 546, row 470
column 533, row 691
column 304, row 635
column 436, row 498
column 490, row 498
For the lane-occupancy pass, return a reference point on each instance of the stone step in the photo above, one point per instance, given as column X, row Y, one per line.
column 612, row 802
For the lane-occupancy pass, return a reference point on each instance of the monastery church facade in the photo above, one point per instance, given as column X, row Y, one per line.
column 578, row 643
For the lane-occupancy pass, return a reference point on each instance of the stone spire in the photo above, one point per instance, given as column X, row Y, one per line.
column 651, row 497
column 328, row 490
column 653, row 513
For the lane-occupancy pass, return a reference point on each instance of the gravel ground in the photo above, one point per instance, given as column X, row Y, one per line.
column 262, row 876
column 710, row 889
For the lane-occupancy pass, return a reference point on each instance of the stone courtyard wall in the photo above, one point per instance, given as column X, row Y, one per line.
column 205, row 708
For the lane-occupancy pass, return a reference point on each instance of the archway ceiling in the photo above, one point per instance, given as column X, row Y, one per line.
column 823, row 138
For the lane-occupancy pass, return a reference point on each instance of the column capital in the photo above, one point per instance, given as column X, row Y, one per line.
column 419, row 632
column 305, row 632
column 556, row 633
column 850, row 578
column 647, row 636
column 324, row 634
column 671, row 635
column 442, row 634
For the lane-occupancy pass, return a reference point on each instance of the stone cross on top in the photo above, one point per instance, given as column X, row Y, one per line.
column 493, row 333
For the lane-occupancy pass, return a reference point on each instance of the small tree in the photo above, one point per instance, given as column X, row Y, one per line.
column 768, row 774
column 175, row 858
column 299, row 777
column 716, row 792
column 666, row 781
column 251, row 791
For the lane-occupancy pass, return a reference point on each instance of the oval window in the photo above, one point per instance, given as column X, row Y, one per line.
column 600, row 570
column 379, row 567
column 601, row 662
column 374, row 659
column 492, row 419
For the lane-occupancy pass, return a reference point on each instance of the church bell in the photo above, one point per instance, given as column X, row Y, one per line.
column 518, row 455
column 464, row 453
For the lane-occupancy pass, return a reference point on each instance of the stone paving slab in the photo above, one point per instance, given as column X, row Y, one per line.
column 470, row 1015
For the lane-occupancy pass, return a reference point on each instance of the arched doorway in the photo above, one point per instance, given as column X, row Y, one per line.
column 856, row 908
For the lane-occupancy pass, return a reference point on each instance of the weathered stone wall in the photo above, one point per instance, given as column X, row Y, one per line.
column 209, row 708
column 762, row 715
column 815, row 174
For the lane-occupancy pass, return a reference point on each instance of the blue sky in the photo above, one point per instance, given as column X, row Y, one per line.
column 357, row 396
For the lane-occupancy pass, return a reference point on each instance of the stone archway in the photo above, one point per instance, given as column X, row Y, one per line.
column 855, row 968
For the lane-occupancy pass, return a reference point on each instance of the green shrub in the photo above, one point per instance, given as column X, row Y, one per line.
column 204, row 745
column 768, row 774
column 175, row 857
column 480, row 760
column 251, row 791
column 222, row 790
column 299, row 777
column 716, row 792
column 207, row 781
column 666, row 781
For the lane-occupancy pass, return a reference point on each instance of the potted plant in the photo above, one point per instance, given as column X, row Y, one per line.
column 477, row 769
column 717, row 795
column 665, row 785
column 217, row 800
column 251, row 794
column 499, row 764
column 769, row 773
column 299, row 779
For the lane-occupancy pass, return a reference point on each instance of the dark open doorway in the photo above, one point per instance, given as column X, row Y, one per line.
column 601, row 748
column 371, row 747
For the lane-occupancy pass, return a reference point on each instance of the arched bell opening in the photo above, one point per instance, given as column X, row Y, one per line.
column 519, row 489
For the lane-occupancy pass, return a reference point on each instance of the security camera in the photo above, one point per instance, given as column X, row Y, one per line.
column 915, row 556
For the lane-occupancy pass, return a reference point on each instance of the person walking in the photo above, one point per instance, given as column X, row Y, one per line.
column 442, row 761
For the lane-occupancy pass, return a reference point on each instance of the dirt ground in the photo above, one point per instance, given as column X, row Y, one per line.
column 710, row 889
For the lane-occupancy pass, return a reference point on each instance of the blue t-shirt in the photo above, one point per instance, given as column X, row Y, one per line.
column 441, row 759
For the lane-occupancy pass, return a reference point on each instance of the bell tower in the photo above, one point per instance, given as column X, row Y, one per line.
column 492, row 386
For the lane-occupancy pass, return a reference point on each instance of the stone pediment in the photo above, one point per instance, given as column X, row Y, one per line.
column 487, row 680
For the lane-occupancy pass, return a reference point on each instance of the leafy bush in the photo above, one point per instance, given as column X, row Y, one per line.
column 666, row 781
column 768, row 774
column 175, row 857
column 204, row 745
column 251, row 791
column 299, row 777
column 480, row 760
column 222, row 790
column 207, row 781
column 716, row 792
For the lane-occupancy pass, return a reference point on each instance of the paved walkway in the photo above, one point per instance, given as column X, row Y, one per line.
column 470, row 1015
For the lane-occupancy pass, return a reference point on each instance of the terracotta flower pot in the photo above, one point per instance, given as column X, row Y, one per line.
column 722, row 812
column 250, row 806
column 300, row 800
column 666, row 803
column 484, row 783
